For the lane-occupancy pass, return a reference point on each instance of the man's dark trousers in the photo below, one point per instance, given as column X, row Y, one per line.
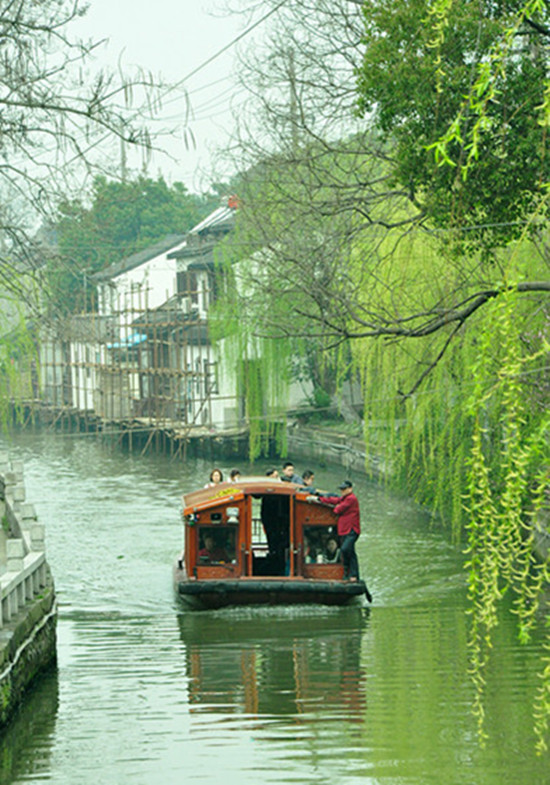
column 349, row 557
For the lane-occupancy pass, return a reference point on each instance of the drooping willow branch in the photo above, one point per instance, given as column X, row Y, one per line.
column 460, row 314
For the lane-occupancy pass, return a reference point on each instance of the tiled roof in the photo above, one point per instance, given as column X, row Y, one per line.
column 220, row 220
column 171, row 242
column 223, row 217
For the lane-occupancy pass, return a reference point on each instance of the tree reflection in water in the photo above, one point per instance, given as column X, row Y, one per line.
column 26, row 742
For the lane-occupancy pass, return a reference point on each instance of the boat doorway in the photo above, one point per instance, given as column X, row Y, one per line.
column 271, row 535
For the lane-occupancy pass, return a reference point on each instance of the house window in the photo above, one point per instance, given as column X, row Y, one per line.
column 188, row 286
column 211, row 378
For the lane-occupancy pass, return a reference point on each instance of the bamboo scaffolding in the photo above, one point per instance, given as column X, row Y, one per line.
column 137, row 375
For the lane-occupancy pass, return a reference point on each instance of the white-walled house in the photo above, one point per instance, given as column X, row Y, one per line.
column 87, row 361
column 160, row 362
column 199, row 276
column 142, row 281
column 126, row 291
column 214, row 385
column 148, row 354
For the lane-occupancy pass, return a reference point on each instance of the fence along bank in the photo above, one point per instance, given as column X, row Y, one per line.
column 28, row 611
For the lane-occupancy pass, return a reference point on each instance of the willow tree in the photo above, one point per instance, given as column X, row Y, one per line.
column 419, row 240
column 311, row 176
column 466, row 101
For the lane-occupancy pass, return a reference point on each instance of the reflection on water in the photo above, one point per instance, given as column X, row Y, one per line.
column 381, row 695
column 25, row 744
column 276, row 664
column 149, row 695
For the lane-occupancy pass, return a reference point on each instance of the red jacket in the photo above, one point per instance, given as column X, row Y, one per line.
column 347, row 510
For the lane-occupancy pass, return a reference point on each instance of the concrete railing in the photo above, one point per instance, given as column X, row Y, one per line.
column 23, row 568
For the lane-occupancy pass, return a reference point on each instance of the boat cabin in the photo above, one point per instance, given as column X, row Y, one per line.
column 259, row 528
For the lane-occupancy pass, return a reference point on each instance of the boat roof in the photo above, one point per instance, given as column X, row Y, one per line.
column 246, row 486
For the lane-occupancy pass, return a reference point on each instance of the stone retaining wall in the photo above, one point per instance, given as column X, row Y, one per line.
column 331, row 448
column 28, row 613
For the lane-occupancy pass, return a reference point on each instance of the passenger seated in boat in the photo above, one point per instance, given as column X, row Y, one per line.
column 308, row 484
column 212, row 552
column 216, row 477
column 234, row 475
column 289, row 475
column 331, row 553
column 307, row 480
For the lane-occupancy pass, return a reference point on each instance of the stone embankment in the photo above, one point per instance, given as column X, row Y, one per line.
column 333, row 449
column 28, row 612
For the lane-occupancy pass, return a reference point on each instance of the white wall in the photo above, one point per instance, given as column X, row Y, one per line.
column 84, row 357
column 147, row 286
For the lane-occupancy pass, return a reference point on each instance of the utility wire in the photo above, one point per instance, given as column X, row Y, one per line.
column 209, row 60
column 226, row 47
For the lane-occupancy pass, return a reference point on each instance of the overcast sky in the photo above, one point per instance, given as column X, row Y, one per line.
column 173, row 38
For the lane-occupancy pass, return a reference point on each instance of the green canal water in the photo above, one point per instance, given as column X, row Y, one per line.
column 148, row 694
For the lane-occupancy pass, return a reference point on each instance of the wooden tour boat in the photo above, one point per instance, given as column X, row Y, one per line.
column 259, row 541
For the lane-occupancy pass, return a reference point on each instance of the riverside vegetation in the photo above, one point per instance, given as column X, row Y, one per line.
column 412, row 253
column 392, row 230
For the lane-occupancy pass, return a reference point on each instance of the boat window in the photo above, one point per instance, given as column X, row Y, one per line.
column 321, row 545
column 217, row 544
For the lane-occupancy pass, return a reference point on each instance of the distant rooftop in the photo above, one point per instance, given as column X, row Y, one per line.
column 170, row 242
column 219, row 221
column 223, row 217
column 204, row 236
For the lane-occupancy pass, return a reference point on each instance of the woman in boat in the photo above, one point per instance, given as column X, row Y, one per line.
column 216, row 477
column 307, row 480
column 331, row 553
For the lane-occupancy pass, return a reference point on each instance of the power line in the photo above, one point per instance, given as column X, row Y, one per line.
column 207, row 85
column 226, row 47
column 205, row 63
column 217, row 54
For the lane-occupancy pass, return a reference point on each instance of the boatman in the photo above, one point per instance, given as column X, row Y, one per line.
column 346, row 508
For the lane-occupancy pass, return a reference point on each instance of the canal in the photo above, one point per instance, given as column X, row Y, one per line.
column 147, row 694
